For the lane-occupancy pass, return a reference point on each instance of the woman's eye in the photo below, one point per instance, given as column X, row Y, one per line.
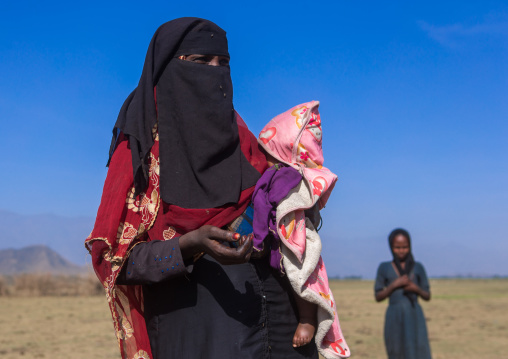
column 224, row 62
column 200, row 60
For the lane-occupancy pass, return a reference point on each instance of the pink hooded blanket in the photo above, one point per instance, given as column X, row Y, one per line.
column 294, row 137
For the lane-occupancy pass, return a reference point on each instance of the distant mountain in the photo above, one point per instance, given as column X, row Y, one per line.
column 64, row 235
column 35, row 259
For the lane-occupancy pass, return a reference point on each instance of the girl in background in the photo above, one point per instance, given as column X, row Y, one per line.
column 403, row 280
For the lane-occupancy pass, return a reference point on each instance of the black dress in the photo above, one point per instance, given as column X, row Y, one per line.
column 213, row 311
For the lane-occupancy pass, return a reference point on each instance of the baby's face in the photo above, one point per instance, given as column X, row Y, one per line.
column 272, row 161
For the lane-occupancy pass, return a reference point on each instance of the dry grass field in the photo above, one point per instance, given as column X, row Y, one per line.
column 466, row 319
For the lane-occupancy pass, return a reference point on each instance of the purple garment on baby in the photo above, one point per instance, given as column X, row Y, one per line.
column 273, row 186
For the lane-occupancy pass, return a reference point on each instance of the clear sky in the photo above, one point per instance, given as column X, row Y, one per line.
column 414, row 104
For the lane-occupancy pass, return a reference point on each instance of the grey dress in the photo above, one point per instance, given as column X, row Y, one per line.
column 405, row 330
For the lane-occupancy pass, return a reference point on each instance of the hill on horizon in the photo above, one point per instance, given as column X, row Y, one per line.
column 65, row 235
column 35, row 259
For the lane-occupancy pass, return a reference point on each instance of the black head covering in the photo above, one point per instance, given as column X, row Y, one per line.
column 202, row 165
column 409, row 261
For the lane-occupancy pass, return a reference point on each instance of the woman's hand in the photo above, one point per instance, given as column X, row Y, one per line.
column 413, row 287
column 408, row 286
column 209, row 239
column 397, row 283
column 402, row 281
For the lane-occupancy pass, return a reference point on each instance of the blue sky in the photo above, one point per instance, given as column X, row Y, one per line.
column 414, row 104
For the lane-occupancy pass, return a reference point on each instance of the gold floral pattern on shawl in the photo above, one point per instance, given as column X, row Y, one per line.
column 109, row 288
column 126, row 330
column 116, row 261
column 147, row 205
column 141, row 355
column 154, row 170
column 126, row 233
column 168, row 233
column 132, row 203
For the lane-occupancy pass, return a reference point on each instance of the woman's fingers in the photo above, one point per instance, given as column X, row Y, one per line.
column 227, row 255
column 222, row 235
column 245, row 247
column 213, row 239
column 250, row 245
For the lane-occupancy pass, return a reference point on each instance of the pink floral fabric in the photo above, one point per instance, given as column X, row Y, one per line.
column 295, row 138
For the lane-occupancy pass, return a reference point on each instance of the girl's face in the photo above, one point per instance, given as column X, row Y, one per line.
column 400, row 247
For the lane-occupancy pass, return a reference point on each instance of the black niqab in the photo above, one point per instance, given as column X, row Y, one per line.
column 202, row 165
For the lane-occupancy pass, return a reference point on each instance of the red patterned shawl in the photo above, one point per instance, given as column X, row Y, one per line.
column 124, row 221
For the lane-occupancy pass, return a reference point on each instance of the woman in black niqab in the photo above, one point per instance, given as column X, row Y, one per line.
column 225, row 304
column 191, row 107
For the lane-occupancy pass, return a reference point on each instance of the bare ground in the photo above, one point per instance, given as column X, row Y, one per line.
column 466, row 319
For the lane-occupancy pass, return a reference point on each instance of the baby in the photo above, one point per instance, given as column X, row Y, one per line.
column 292, row 144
